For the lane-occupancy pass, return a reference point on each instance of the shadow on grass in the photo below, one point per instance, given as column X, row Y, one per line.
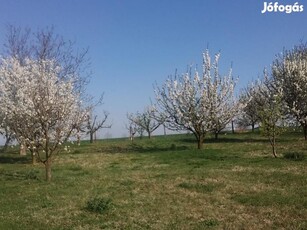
column 31, row 174
column 140, row 148
column 14, row 159
column 156, row 148
column 223, row 139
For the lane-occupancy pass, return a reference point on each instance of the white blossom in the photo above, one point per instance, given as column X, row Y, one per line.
column 39, row 107
column 290, row 74
column 199, row 104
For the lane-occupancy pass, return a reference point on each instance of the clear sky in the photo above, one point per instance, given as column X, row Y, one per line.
column 135, row 43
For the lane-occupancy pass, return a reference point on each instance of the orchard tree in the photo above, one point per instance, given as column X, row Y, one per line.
column 199, row 104
column 45, row 45
column 93, row 124
column 133, row 128
column 149, row 120
column 290, row 73
column 5, row 131
column 249, row 114
column 223, row 104
column 39, row 107
column 270, row 109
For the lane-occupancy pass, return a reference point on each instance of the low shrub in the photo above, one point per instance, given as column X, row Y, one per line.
column 98, row 204
column 32, row 175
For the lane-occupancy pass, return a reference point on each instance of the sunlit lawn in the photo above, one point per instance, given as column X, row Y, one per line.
column 163, row 183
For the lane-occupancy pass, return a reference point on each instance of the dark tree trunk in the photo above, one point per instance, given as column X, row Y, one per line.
column 199, row 144
column 78, row 140
column 216, row 135
column 149, row 134
column 91, row 137
column 200, row 141
column 6, row 144
column 253, row 127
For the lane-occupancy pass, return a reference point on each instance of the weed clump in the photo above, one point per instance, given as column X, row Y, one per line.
column 32, row 175
column 173, row 147
column 98, row 204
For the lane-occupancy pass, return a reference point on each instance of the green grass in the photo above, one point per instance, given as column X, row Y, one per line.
column 163, row 183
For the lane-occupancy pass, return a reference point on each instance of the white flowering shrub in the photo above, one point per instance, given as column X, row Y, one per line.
column 199, row 103
column 40, row 108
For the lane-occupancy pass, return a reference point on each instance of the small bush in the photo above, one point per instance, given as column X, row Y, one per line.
column 209, row 223
column 173, row 147
column 297, row 156
column 98, row 204
column 32, row 175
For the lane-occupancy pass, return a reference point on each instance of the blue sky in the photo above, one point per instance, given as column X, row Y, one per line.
column 135, row 43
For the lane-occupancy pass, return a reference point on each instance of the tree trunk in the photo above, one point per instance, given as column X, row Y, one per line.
column 253, row 127
column 149, row 135
column 200, row 140
column 274, row 147
column 91, row 137
column 22, row 149
column 33, row 157
column 216, row 135
column 305, row 131
column 6, row 144
column 200, row 143
column 232, row 127
column 274, row 151
column 48, row 169
column 78, row 140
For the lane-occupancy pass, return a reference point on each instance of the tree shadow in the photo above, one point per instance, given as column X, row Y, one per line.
column 139, row 148
column 157, row 148
column 14, row 159
column 224, row 140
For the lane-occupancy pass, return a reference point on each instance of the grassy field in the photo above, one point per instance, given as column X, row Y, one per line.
column 163, row 183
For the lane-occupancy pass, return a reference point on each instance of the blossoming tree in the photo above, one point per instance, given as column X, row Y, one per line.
column 149, row 120
column 249, row 116
column 290, row 73
column 270, row 110
column 39, row 107
column 199, row 103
